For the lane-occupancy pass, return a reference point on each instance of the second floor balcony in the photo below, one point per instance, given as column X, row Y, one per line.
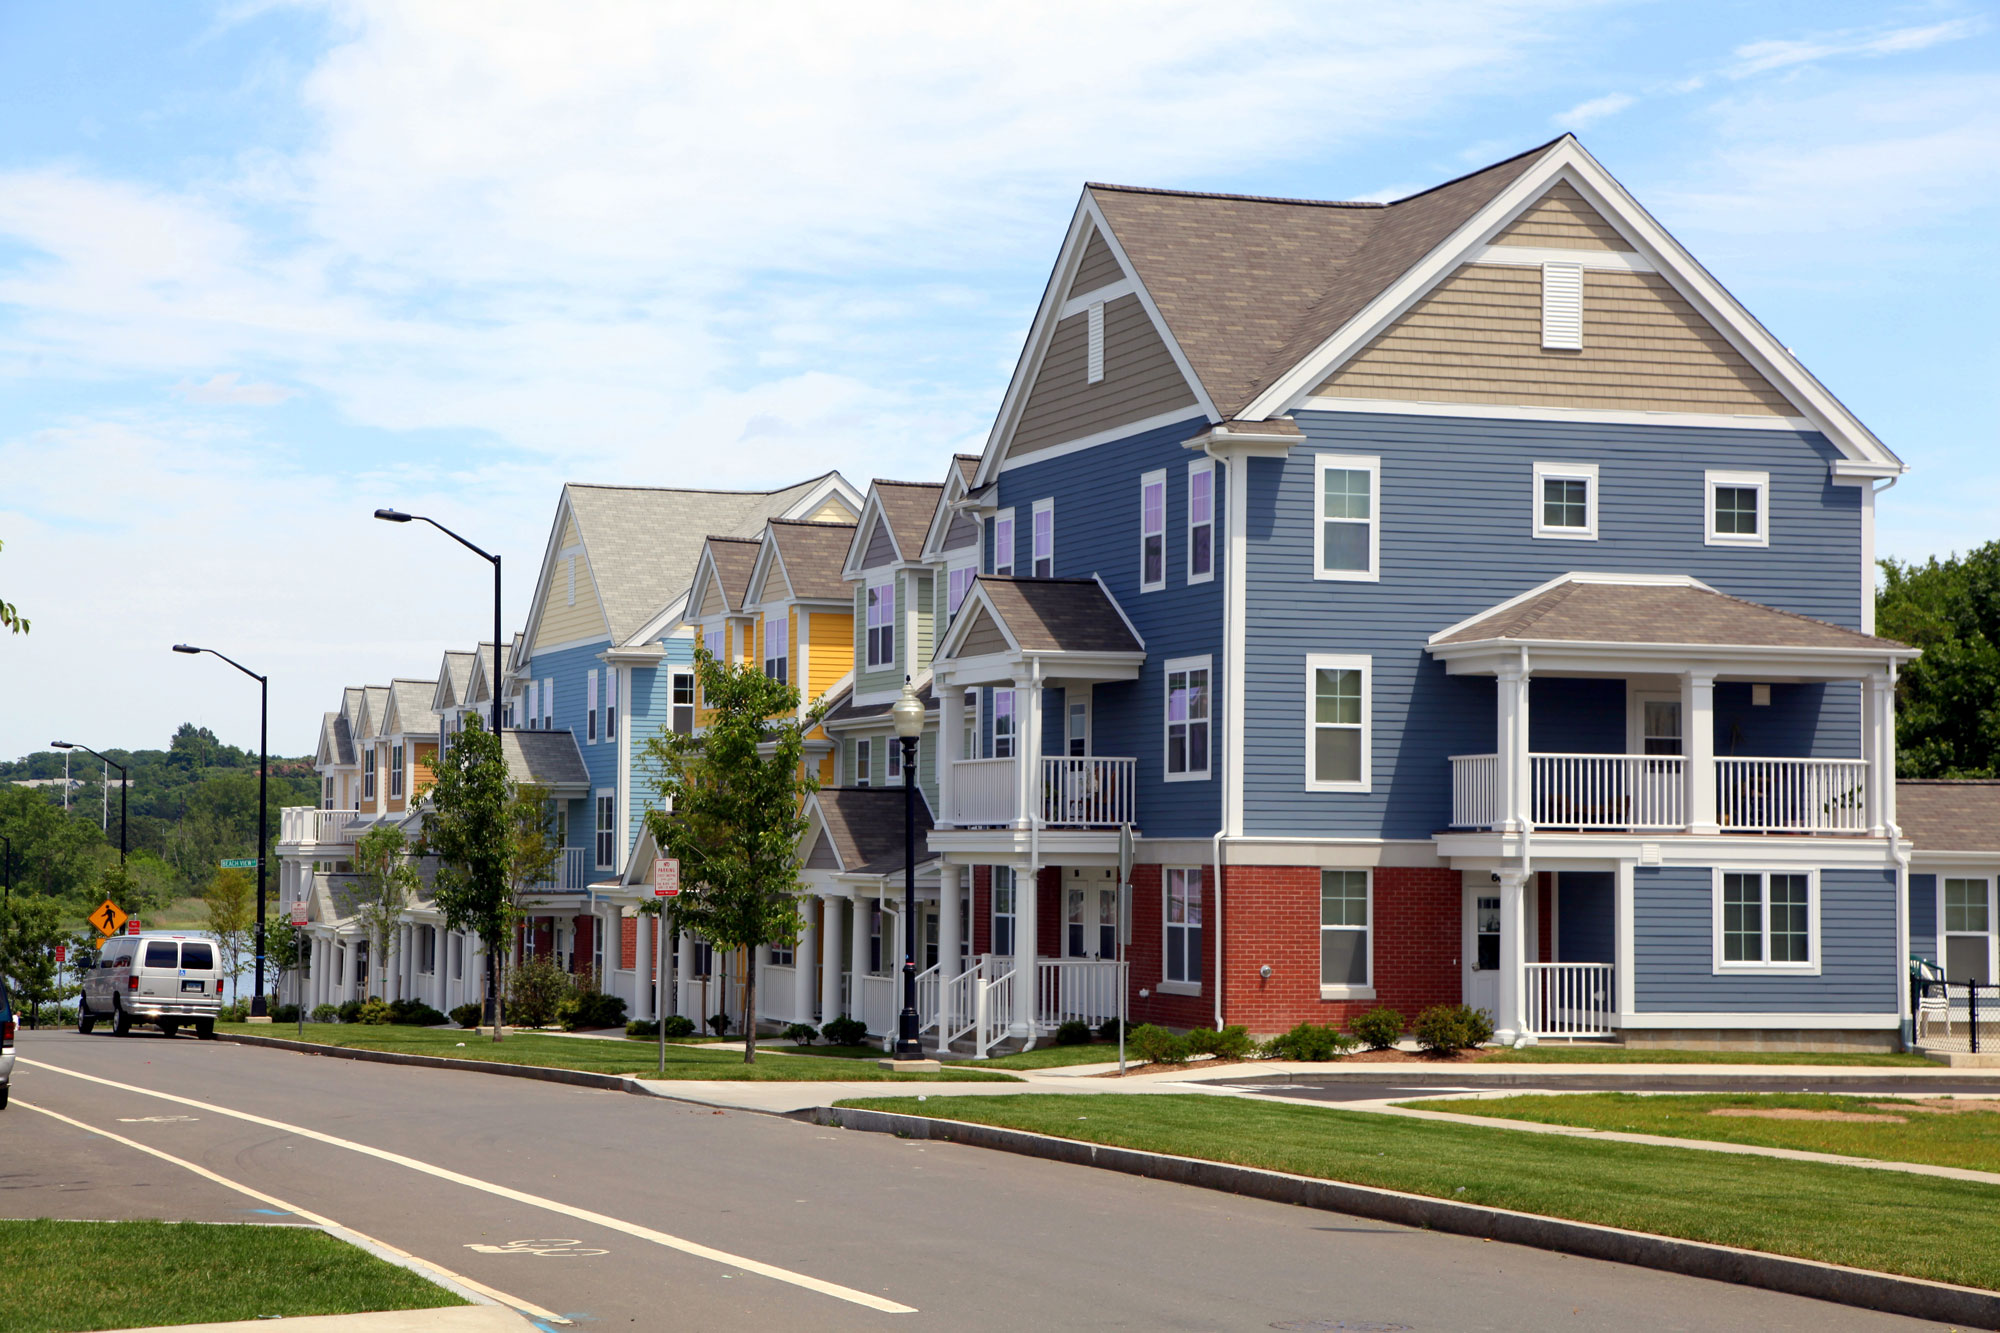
column 1661, row 794
column 309, row 824
column 1080, row 791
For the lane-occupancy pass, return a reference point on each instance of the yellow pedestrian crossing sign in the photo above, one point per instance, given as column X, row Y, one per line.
column 109, row 919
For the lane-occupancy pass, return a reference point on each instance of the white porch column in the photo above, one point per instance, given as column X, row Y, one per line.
column 1511, row 1023
column 857, row 962
column 951, row 735
column 1698, row 744
column 804, row 954
column 831, row 939
column 683, row 1001
column 645, row 999
column 1878, row 729
column 1511, row 735
column 949, row 929
column 1026, row 902
column 1027, row 750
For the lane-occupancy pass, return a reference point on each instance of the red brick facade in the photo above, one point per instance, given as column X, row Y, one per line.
column 628, row 942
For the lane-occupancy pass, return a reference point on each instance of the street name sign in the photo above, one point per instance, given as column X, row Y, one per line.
column 240, row 865
column 666, row 877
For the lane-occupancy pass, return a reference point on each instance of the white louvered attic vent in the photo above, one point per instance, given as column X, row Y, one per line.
column 1562, row 306
column 1096, row 373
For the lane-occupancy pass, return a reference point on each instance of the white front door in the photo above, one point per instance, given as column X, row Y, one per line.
column 1090, row 912
column 1480, row 961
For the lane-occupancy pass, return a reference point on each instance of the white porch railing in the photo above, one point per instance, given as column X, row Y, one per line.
column 1475, row 790
column 927, row 998
column 993, row 1013
column 571, row 871
column 878, row 1005
column 1792, row 795
column 960, row 1009
column 982, row 791
column 1621, row 791
column 1571, row 999
column 1089, row 790
column 1076, row 988
column 305, row 823
column 777, row 995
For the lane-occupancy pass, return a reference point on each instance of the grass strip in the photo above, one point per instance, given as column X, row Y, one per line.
column 1835, row 1214
column 1624, row 1055
column 1059, row 1057
column 1968, row 1139
column 63, row 1277
column 610, row 1057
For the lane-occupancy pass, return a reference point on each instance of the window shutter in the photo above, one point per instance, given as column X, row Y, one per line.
column 1562, row 306
column 590, row 702
column 1096, row 341
column 611, row 687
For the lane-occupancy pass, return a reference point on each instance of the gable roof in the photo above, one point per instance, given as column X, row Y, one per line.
column 545, row 759
column 373, row 711
column 454, row 676
column 478, row 688
column 730, row 561
column 1950, row 814
column 1049, row 615
column 410, row 706
column 811, row 554
column 865, row 826
column 903, row 509
column 336, row 740
column 957, row 484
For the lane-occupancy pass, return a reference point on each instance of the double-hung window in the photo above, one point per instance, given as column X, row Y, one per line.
column 1182, row 971
column 1349, row 540
column 1187, row 718
column 781, row 955
column 683, row 702
column 1344, row 954
column 1003, row 910
column 1153, row 531
column 1566, row 501
column 611, row 703
column 959, row 583
column 607, row 830
column 777, row 647
column 548, row 705
column 862, row 761
column 1003, row 724
column 1738, row 505
column 1338, row 723
column 1201, row 521
column 396, row 770
column 1003, row 543
column 1766, row 920
column 590, row 706
column 1968, row 930
column 895, row 765
column 881, row 624
column 368, row 773
column 1043, row 535
column 875, row 958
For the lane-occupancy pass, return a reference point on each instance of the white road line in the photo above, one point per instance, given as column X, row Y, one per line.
column 528, row 1308
column 699, row 1251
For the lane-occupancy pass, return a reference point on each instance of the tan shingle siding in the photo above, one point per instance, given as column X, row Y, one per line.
column 1477, row 338
column 1140, row 380
column 1098, row 267
column 1562, row 219
column 982, row 637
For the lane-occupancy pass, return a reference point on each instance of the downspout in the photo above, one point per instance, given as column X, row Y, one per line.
column 1034, row 841
column 1525, row 793
column 1887, row 781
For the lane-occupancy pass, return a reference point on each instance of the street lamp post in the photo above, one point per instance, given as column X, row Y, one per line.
column 909, row 716
column 493, row 685
column 124, row 784
column 259, row 1012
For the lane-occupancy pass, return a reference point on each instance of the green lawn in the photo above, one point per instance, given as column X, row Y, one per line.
column 1552, row 1054
column 608, row 1057
column 1058, row 1057
column 67, row 1276
column 1844, row 1215
column 1960, row 1138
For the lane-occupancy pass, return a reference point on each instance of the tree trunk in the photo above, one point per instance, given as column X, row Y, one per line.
column 499, row 978
column 749, row 1008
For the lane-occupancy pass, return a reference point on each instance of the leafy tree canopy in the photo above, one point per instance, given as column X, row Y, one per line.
column 1948, row 700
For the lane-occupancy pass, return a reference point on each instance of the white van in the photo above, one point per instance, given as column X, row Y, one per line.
column 154, row 978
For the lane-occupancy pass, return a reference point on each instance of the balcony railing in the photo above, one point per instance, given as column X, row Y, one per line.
column 572, row 871
column 1076, row 988
column 1608, row 791
column 305, row 823
column 1650, row 793
column 1571, row 999
column 1792, row 795
column 1085, row 791
column 983, row 791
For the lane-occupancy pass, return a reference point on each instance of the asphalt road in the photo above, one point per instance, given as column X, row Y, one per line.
column 440, row 1163
column 1349, row 1088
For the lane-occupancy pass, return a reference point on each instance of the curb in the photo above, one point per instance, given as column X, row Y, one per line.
column 1917, row 1298
column 578, row 1077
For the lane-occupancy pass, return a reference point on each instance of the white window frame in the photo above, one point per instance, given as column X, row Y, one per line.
column 396, row 783
column 674, row 704
column 1764, row 967
column 1372, row 465
column 1004, row 746
column 1147, row 481
column 892, row 766
column 864, row 759
column 1003, row 543
column 604, row 833
column 1366, row 989
column 1315, row 663
column 1172, row 667
column 1583, row 472
column 886, row 640
column 1562, row 306
column 1201, row 467
column 958, row 583
column 1199, row 874
column 368, row 773
column 610, row 704
column 590, row 707
column 1012, row 916
column 1036, row 527
column 1945, row 933
column 1714, row 480
column 781, row 619
column 549, row 704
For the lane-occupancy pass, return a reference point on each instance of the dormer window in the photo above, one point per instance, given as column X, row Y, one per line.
column 396, row 772
column 368, row 773
column 777, row 655
column 882, row 624
column 1003, row 543
column 1044, row 535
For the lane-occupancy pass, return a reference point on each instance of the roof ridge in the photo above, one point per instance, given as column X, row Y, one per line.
column 1548, row 602
column 885, row 481
column 1480, row 171
column 1239, row 198
column 693, row 490
column 797, row 523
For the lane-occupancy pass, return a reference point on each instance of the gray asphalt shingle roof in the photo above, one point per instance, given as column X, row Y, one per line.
column 1581, row 612
column 1950, row 815
column 866, row 827
column 1060, row 615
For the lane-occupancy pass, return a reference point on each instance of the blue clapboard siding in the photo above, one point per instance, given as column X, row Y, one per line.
column 1456, row 524
column 1673, row 927
column 1923, row 917
column 1097, row 532
column 567, row 667
column 649, row 714
column 1586, row 917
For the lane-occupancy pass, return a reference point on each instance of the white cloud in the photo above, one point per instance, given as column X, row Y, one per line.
column 1762, row 57
column 1585, row 114
column 229, row 390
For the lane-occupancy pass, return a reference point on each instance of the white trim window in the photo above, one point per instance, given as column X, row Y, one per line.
column 1348, row 544
column 1042, row 534
column 1180, row 921
column 1003, row 543
column 1201, row 521
column 864, row 761
column 1339, row 723
column 682, row 718
column 396, row 770
column 611, row 703
column 368, row 773
column 1766, row 921
column 881, row 624
column 590, row 706
column 1736, row 508
column 1566, row 501
column 1966, row 924
column 549, row 704
column 893, row 747
column 781, row 955
column 1187, row 718
column 607, row 829
column 1346, row 943
column 958, row 583
column 1003, row 724
column 1153, row 531
column 1003, row 910
column 777, row 647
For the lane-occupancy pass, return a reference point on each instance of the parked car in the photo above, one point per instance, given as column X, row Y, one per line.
column 163, row 979
column 7, row 1026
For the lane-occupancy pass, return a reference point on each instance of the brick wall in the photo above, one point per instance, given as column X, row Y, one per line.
column 1049, row 913
column 585, row 947
column 1146, row 953
column 628, row 942
column 982, row 910
column 1544, row 900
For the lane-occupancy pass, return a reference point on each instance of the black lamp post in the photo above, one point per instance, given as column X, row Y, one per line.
column 492, row 684
column 124, row 782
column 258, row 1009
column 909, row 716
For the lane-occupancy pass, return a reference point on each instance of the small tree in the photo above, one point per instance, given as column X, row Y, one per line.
column 732, row 814
column 232, row 911
column 388, row 883
column 466, row 827
column 532, row 849
column 286, row 948
column 30, row 930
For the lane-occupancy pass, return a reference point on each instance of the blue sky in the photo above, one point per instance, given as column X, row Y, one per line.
column 264, row 266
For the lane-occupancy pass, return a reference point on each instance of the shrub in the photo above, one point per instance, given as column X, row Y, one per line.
column 374, row 1012
column 642, row 1027
column 1309, row 1042
column 534, row 989
column 719, row 1024
column 1379, row 1028
column 590, row 1009
column 1446, row 1029
column 1073, row 1033
column 1230, row 1043
column 326, row 1013
column 414, row 1013
column 1108, row 1029
column 845, row 1031
column 349, row 1011
column 283, row 1013
column 677, row 1025
column 468, row 1015
column 236, row 1011
column 1158, row 1045
column 801, row 1034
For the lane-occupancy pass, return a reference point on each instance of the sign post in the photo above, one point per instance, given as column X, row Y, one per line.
column 666, row 884
column 109, row 918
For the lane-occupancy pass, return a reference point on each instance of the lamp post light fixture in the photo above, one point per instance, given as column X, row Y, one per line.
column 259, row 1011
column 909, row 718
column 124, row 784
